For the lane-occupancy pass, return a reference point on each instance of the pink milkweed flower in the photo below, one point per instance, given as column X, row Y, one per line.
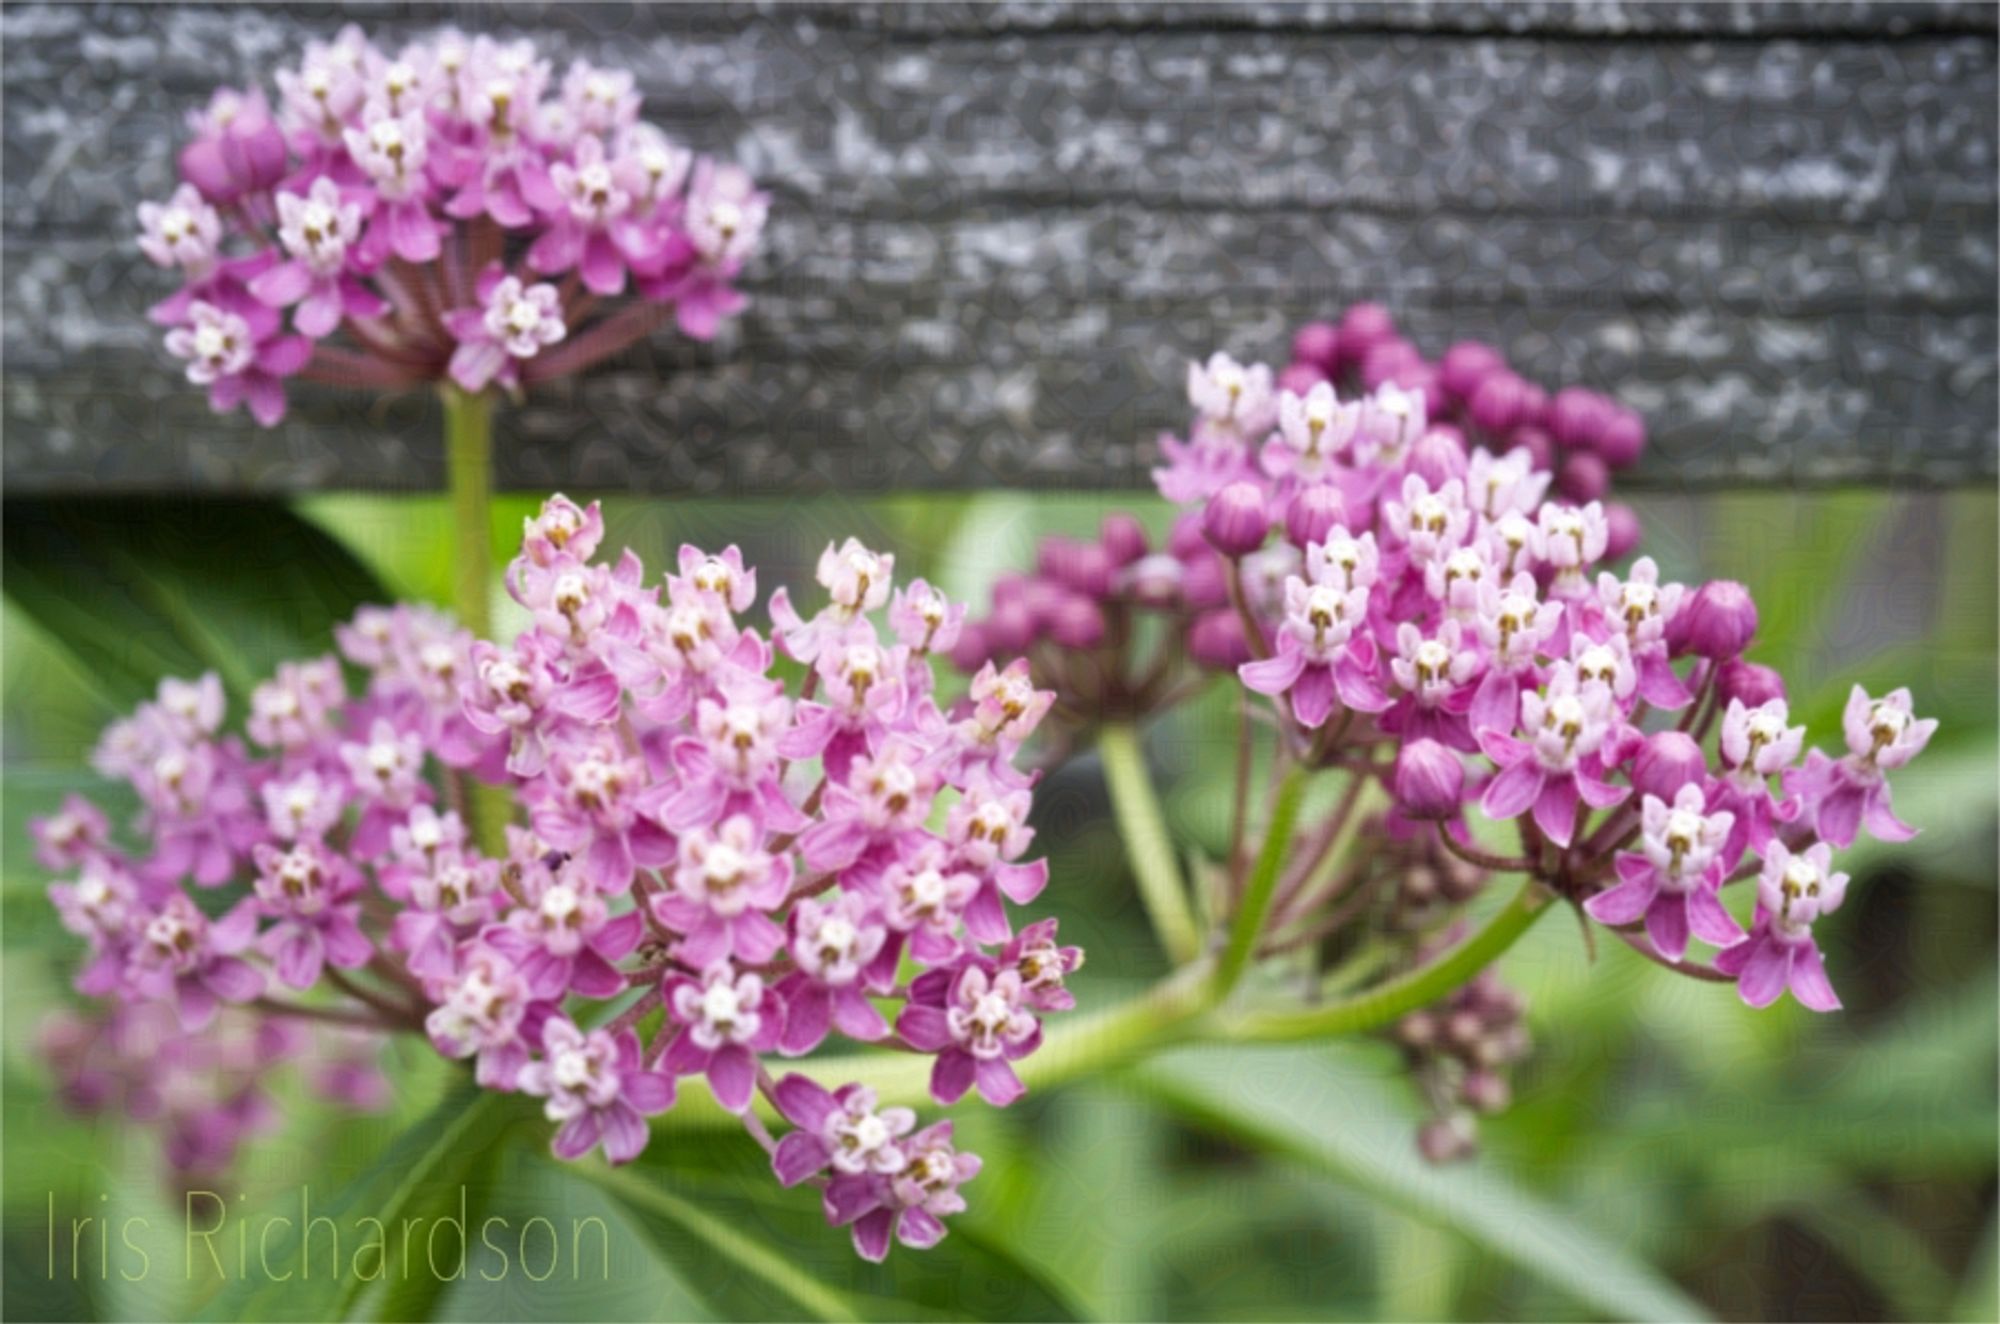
column 1852, row 793
column 565, row 940
column 583, row 234
column 978, row 1029
column 725, row 886
column 597, row 1087
column 881, row 801
column 450, row 898
column 316, row 231
column 303, row 808
column 297, row 706
column 481, row 1009
column 1756, row 745
column 393, row 151
column 732, row 766
column 725, row 216
column 842, row 1130
column 237, row 366
column 1512, row 482
column 1557, row 764
column 199, row 812
column 1455, row 581
column 311, row 892
column 1436, row 677
column 183, row 956
column 238, row 148
column 1672, row 883
column 1043, row 965
column 100, row 907
column 1794, row 889
column 925, row 622
column 590, row 806
column 562, row 529
column 988, row 829
column 919, row 1197
column 1006, row 709
column 923, row 899
column 1313, row 430
column 857, row 581
column 721, row 576
column 1573, row 539
column 1645, row 610
column 73, row 835
column 1430, row 524
column 726, row 1018
column 863, row 685
column 184, row 233
column 387, row 776
column 1513, row 626
column 1320, row 654
column 512, row 324
column 1231, row 399
column 836, row 944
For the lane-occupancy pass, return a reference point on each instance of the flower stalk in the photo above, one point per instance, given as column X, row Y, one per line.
column 1147, row 841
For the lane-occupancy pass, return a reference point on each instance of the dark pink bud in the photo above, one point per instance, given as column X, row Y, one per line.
column 1438, row 456
column 1298, row 378
column 1534, row 406
column 1313, row 513
column 1467, row 364
column 1011, row 587
column 1541, row 450
column 1123, row 537
column 1751, row 682
column 1446, row 1139
column 1420, row 377
column 1234, row 521
column 1087, row 570
column 1186, row 539
column 1317, row 343
column 970, row 652
column 1499, row 403
column 1216, row 641
column 1076, row 622
column 1204, row 582
column 1429, row 780
column 1485, row 1091
column 1009, row 630
column 1363, row 327
column 1384, row 361
column 1623, row 439
column 1578, row 417
column 1042, row 599
column 1669, row 761
column 1052, row 553
column 1622, row 530
column 1717, row 623
column 1584, row 477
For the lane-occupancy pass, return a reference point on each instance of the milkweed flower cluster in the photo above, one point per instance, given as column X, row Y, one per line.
column 1410, row 567
column 709, row 874
column 453, row 210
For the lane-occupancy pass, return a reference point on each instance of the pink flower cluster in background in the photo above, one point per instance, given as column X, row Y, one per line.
column 1411, row 564
column 709, row 874
column 451, row 210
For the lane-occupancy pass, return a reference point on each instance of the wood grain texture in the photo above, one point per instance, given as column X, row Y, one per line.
column 999, row 230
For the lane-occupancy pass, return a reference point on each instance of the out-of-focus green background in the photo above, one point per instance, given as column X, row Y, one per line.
column 1668, row 1150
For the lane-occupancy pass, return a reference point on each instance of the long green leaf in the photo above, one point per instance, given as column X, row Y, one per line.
column 141, row 589
column 424, row 1170
column 1297, row 1104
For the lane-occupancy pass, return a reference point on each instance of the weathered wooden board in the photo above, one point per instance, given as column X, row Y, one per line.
column 999, row 231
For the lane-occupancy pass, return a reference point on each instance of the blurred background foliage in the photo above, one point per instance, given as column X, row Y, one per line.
column 1668, row 1152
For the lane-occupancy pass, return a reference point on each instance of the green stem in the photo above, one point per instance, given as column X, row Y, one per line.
column 468, row 447
column 1255, row 906
column 1147, row 842
column 1385, row 1003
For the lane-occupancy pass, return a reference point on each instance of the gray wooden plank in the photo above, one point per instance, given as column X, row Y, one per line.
column 1000, row 229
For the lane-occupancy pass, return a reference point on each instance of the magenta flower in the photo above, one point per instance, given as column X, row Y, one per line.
column 1793, row 890
column 481, row 1010
column 181, row 956
column 1672, row 883
column 1320, row 657
column 1853, row 792
column 842, row 1130
column 725, row 887
column 918, row 1199
column 590, row 806
column 978, row 1029
column 726, row 1018
column 1556, row 766
column 316, row 231
column 310, row 892
column 513, row 323
column 565, row 939
column 596, row 1087
column 838, row 946
column 236, row 361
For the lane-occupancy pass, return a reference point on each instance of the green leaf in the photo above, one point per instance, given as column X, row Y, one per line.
column 138, row 590
column 420, row 1176
column 1300, row 1105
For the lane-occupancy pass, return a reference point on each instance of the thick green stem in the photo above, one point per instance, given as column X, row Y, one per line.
column 1147, row 842
column 468, row 449
column 468, row 453
column 1258, row 893
column 1386, row 1003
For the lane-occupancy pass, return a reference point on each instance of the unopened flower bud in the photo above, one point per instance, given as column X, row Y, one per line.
column 1447, row 1139
column 1298, row 378
column 1315, row 512
column 1623, row 439
column 1122, row 537
column 1387, row 360
column 1717, row 623
column 1216, row 641
column 1751, row 682
column 1621, row 530
column 1584, row 478
column 1317, row 343
column 1467, row 364
column 1485, row 1091
column 1578, row 417
column 971, row 651
column 1500, row 402
column 1362, row 328
column 1439, row 455
column 1234, row 521
column 1076, row 622
column 1669, row 761
column 1429, row 780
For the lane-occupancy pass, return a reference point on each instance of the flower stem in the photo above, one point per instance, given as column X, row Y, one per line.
column 1147, row 841
column 1262, row 888
column 468, row 445
column 1421, row 987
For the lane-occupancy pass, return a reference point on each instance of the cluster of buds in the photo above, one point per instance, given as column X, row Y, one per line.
column 708, row 874
column 1458, row 1052
column 1443, row 610
column 454, row 209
